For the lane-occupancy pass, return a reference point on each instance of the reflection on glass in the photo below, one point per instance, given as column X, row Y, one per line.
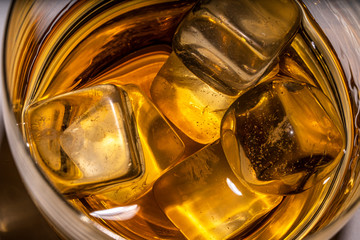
column 118, row 213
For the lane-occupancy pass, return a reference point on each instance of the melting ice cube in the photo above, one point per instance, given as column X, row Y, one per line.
column 83, row 137
column 230, row 44
column 205, row 200
column 282, row 137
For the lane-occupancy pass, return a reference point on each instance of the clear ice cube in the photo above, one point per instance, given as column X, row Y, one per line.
column 230, row 44
column 282, row 137
column 102, row 136
column 83, row 138
column 205, row 200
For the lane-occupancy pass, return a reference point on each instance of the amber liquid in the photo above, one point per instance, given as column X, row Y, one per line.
column 150, row 222
column 131, row 49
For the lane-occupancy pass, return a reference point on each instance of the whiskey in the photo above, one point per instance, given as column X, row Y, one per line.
column 138, row 132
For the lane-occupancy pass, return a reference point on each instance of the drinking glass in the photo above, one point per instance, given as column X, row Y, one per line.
column 64, row 44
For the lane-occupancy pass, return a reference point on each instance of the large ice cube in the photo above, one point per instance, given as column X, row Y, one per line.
column 100, row 136
column 83, row 137
column 230, row 44
column 282, row 136
column 205, row 200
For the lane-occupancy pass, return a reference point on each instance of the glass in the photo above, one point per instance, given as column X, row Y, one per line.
column 63, row 47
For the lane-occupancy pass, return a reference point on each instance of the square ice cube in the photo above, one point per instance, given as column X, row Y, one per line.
column 83, row 139
column 283, row 136
column 205, row 200
column 230, row 44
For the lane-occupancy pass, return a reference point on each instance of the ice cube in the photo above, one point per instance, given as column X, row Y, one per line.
column 83, row 138
column 205, row 200
column 192, row 105
column 102, row 136
column 230, row 44
column 282, row 137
